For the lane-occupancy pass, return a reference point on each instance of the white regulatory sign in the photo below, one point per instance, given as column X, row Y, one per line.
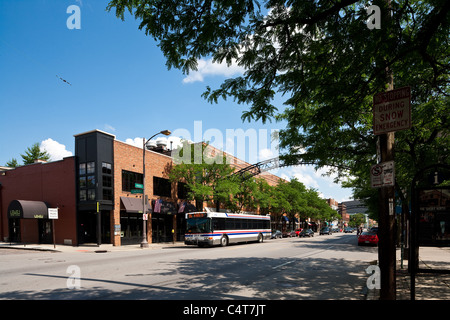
column 53, row 213
column 382, row 175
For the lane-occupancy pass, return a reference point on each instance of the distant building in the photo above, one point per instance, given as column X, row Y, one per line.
column 358, row 206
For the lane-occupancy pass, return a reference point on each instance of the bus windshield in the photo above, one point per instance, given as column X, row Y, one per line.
column 198, row 225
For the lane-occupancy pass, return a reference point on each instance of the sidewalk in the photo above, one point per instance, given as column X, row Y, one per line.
column 429, row 286
column 86, row 247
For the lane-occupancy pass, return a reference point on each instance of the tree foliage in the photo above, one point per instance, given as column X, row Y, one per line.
column 323, row 60
column 31, row 154
column 211, row 180
column 203, row 174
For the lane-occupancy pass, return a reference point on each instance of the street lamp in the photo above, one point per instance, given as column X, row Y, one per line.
column 144, row 243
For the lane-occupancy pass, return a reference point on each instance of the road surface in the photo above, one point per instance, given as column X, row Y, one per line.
column 327, row 267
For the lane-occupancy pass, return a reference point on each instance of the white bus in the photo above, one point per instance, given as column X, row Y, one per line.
column 219, row 228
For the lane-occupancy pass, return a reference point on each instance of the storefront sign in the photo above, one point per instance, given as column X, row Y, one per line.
column 434, row 216
column 14, row 213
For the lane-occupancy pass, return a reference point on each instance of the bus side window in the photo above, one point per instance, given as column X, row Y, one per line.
column 218, row 223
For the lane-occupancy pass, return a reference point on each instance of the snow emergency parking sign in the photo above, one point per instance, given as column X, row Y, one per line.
column 392, row 111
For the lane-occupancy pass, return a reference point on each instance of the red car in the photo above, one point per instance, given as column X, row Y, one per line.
column 368, row 238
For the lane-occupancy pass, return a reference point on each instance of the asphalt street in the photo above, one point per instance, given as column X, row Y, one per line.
column 327, row 267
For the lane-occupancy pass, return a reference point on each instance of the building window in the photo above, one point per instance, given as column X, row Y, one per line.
column 106, row 168
column 129, row 179
column 90, row 168
column 107, row 181
column 161, row 187
column 107, row 194
column 182, row 190
column 91, row 194
column 82, row 168
column 91, row 181
column 83, row 196
column 82, row 182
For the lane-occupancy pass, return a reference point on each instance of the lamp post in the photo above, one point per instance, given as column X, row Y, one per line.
column 144, row 243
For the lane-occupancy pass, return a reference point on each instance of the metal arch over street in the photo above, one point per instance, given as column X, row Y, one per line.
column 267, row 165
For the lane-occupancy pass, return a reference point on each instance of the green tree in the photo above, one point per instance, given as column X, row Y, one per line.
column 12, row 163
column 204, row 175
column 34, row 153
column 263, row 195
column 356, row 220
column 327, row 64
column 244, row 198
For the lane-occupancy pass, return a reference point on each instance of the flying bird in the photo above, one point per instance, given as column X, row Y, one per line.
column 64, row 80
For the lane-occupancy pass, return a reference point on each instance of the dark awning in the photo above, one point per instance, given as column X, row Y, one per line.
column 132, row 205
column 25, row 209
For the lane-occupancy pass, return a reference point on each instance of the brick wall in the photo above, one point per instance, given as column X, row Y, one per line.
column 53, row 183
column 130, row 158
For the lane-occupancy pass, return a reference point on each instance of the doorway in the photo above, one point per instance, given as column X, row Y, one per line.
column 87, row 227
column 14, row 230
column 162, row 225
column 45, row 231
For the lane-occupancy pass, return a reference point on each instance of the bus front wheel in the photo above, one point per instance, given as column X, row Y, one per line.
column 260, row 238
column 224, row 241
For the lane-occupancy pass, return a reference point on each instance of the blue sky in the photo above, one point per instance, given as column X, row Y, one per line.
column 119, row 83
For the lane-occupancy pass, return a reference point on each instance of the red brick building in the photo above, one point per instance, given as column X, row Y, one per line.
column 99, row 195
column 25, row 194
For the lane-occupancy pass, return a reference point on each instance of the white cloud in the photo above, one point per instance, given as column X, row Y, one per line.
column 210, row 68
column 109, row 127
column 137, row 142
column 56, row 150
column 303, row 174
column 265, row 154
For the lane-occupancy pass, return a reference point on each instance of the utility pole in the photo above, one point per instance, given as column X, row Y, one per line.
column 386, row 234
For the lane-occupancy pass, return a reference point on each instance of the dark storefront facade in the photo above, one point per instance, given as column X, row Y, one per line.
column 94, row 182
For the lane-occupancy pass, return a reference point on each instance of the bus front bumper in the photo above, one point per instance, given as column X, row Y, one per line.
column 196, row 240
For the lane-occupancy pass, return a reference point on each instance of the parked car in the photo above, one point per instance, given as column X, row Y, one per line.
column 348, row 230
column 368, row 237
column 325, row 230
column 289, row 234
column 374, row 229
column 306, row 233
column 276, row 234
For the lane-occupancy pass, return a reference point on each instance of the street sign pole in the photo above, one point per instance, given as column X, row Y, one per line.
column 53, row 215
column 386, row 247
column 392, row 112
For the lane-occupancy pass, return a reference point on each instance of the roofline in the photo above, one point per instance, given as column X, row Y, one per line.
column 93, row 131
